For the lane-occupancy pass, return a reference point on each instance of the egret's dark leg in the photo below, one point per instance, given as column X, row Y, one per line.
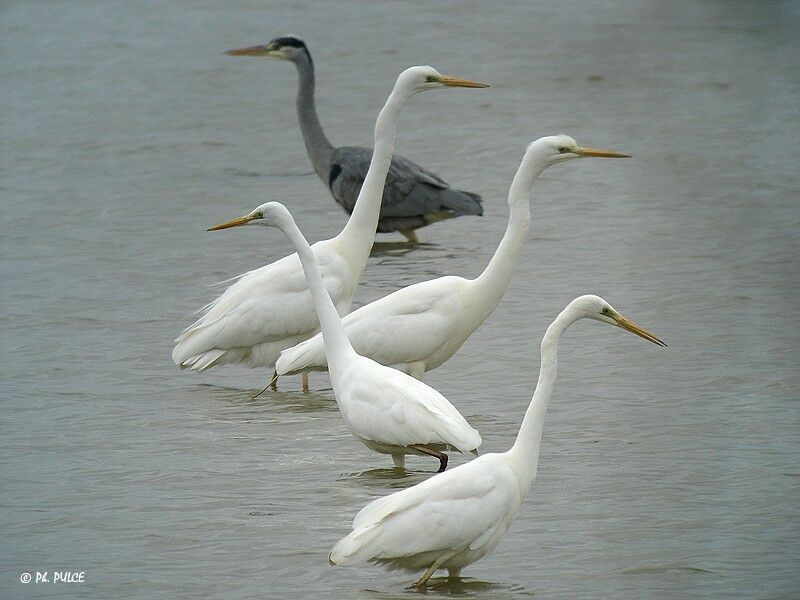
column 273, row 383
column 442, row 462
column 440, row 455
column 305, row 382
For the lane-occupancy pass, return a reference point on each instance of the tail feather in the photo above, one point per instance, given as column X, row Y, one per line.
column 470, row 441
column 195, row 346
column 199, row 362
column 354, row 548
column 300, row 357
column 462, row 203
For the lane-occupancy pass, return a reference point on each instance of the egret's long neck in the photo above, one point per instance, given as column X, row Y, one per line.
column 337, row 345
column 359, row 233
column 318, row 147
column 493, row 282
column 525, row 450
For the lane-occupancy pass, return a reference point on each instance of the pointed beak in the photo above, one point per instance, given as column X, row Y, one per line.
column 458, row 82
column 256, row 51
column 232, row 223
column 595, row 152
column 634, row 328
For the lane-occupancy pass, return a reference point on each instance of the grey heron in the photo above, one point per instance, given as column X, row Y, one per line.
column 412, row 198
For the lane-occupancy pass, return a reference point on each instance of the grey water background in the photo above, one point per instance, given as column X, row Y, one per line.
column 665, row 473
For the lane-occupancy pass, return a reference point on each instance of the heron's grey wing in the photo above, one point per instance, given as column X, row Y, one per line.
column 405, row 170
column 411, row 192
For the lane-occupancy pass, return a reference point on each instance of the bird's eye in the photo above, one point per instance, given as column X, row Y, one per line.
column 606, row 311
column 564, row 150
column 430, row 79
column 258, row 215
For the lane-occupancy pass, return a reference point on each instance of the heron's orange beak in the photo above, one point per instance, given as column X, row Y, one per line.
column 256, row 51
column 233, row 223
column 595, row 152
column 458, row 82
column 636, row 329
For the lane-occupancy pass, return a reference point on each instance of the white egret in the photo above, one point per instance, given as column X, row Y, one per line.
column 453, row 519
column 413, row 197
column 269, row 309
column 387, row 410
column 419, row 327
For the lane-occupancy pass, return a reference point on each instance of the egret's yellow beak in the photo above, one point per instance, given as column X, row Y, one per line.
column 634, row 328
column 257, row 51
column 233, row 223
column 595, row 152
column 458, row 82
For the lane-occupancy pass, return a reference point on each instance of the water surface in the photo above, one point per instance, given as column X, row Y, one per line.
column 664, row 473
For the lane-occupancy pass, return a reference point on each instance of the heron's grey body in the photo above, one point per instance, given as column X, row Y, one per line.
column 413, row 197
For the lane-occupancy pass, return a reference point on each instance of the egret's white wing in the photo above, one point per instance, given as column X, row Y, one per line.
column 263, row 305
column 406, row 326
column 390, row 407
column 460, row 508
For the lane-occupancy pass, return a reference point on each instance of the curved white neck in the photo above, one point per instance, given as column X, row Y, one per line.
column 525, row 451
column 496, row 277
column 359, row 233
column 337, row 345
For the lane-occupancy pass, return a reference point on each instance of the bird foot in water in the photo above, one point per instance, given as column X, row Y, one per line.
column 410, row 235
column 422, row 581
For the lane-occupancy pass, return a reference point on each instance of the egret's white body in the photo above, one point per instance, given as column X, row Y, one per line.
column 455, row 518
column 419, row 327
column 269, row 309
column 265, row 311
column 389, row 411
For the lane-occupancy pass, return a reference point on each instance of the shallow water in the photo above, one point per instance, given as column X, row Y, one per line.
column 664, row 473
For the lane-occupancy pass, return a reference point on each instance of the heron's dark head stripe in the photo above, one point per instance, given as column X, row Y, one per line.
column 289, row 41
column 292, row 42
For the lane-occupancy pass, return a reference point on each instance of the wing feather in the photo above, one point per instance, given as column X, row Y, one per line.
column 465, row 507
column 406, row 326
column 387, row 406
column 410, row 190
column 262, row 306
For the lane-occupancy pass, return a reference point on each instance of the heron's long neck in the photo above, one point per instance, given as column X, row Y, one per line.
column 526, row 447
column 359, row 233
column 493, row 282
column 337, row 345
column 319, row 149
